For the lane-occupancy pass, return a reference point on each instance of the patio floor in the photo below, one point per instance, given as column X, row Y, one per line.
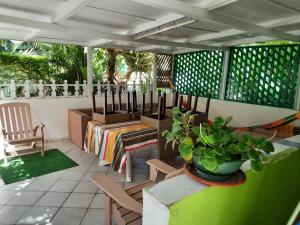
column 67, row 197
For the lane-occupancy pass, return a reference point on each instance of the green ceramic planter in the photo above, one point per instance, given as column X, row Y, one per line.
column 223, row 172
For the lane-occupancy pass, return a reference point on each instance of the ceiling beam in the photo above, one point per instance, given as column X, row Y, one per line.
column 245, row 41
column 201, row 14
column 69, row 9
column 9, row 11
column 59, row 40
column 165, row 27
column 65, row 11
column 116, row 46
column 158, row 22
column 232, row 32
column 156, row 49
column 95, row 33
column 171, row 17
column 99, row 42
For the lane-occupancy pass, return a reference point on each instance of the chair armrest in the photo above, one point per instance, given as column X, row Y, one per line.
column 159, row 166
column 114, row 191
column 37, row 127
column 2, row 131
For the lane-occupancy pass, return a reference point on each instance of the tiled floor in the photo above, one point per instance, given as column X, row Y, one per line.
column 62, row 198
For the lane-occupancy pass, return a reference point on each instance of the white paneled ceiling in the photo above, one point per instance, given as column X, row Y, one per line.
column 152, row 25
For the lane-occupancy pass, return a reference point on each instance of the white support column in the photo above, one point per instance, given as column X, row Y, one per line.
column 297, row 93
column 172, row 69
column 224, row 74
column 154, row 72
column 90, row 70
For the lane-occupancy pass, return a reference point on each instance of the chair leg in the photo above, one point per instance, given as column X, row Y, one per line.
column 108, row 211
column 43, row 148
column 5, row 155
column 128, row 175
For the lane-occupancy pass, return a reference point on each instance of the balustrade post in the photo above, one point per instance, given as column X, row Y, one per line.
column 12, row 89
column 134, row 86
column 53, row 89
column 108, row 88
column 125, row 89
column 85, row 89
column 65, row 86
column 98, row 88
column 41, row 89
column 76, row 88
column 27, row 89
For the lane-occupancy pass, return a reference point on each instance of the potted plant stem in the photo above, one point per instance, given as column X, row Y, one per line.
column 216, row 150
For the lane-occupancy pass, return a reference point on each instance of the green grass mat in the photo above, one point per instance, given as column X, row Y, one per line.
column 33, row 165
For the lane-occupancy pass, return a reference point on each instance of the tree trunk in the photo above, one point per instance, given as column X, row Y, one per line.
column 111, row 66
column 128, row 74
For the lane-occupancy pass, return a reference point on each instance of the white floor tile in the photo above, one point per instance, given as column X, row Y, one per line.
column 88, row 175
column 52, row 176
column 86, row 187
column 40, row 185
column 72, row 175
column 68, row 216
column 52, row 199
column 116, row 176
column 98, row 202
column 95, row 167
column 26, row 198
column 5, row 196
column 17, row 186
column 80, row 168
column 11, row 214
column 79, row 200
column 93, row 217
column 38, row 215
column 63, row 186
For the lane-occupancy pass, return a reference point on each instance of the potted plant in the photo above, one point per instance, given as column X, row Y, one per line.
column 215, row 149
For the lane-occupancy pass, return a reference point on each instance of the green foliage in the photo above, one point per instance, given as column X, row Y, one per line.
column 41, row 61
column 215, row 143
column 23, row 67
column 100, row 64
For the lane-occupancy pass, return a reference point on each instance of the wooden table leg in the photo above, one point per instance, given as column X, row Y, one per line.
column 128, row 176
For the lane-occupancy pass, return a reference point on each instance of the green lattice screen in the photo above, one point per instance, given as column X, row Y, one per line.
column 199, row 72
column 265, row 75
column 164, row 70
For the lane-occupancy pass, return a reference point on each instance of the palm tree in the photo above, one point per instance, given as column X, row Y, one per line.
column 111, row 65
column 140, row 62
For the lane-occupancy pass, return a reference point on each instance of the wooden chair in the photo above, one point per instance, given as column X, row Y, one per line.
column 17, row 130
column 125, row 205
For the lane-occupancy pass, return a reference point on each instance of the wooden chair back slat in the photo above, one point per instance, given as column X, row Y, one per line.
column 16, row 120
column 14, row 128
column 2, row 123
column 25, row 123
column 29, row 118
column 19, row 122
column 7, row 123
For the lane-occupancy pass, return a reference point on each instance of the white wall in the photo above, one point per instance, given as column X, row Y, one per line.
column 244, row 114
column 53, row 112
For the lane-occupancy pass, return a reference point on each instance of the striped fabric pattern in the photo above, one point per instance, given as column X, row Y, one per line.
column 111, row 141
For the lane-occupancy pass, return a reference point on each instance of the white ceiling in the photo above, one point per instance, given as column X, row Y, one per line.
column 149, row 24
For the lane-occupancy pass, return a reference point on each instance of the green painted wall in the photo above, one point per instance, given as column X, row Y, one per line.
column 267, row 198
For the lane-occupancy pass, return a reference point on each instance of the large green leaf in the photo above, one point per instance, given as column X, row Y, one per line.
column 210, row 163
column 256, row 165
column 186, row 151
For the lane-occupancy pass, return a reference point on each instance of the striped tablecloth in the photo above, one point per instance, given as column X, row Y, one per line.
column 111, row 141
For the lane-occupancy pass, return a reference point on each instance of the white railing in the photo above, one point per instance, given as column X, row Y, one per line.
column 28, row 90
